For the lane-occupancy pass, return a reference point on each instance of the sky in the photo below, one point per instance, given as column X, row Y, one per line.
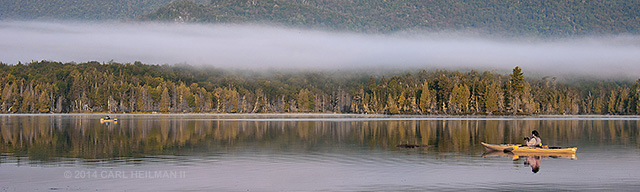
column 260, row 47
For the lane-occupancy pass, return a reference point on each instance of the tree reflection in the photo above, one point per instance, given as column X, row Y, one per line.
column 47, row 137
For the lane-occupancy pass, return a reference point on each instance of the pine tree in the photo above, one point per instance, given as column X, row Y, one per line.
column 7, row 94
column 425, row 98
column 597, row 105
column 371, row 85
column 402, row 101
column 1, row 97
column 392, row 105
column 622, row 102
column 459, row 99
column 636, row 92
column 517, row 80
column 528, row 104
column 464, row 97
column 183, row 93
column 234, row 101
column 44, row 104
column 164, row 100
column 491, row 98
column 611, row 106
column 199, row 102
column 141, row 96
column 305, row 101
column 517, row 89
column 638, row 104
column 112, row 104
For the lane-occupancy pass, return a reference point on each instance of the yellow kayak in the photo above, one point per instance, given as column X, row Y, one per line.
column 545, row 150
column 102, row 120
column 518, row 155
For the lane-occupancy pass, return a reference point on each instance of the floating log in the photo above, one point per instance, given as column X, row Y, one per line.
column 410, row 146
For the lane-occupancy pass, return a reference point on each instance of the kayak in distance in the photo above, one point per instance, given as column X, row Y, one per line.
column 108, row 119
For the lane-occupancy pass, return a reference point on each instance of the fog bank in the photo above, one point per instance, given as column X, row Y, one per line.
column 259, row 47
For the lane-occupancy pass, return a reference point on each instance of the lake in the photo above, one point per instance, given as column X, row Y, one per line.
column 311, row 152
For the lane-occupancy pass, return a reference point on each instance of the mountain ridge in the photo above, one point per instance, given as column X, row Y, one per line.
column 509, row 17
column 536, row 18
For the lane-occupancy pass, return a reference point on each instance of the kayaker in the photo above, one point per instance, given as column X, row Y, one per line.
column 534, row 140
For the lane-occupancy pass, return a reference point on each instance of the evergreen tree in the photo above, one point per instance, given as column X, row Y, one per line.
column 392, row 106
column 141, row 97
column 638, row 104
column 402, row 102
column 425, row 98
column 7, row 96
column 611, row 106
column 517, row 89
column 460, row 96
column 529, row 106
column 491, row 98
column 44, row 103
column 305, row 101
column 622, row 106
column 164, row 100
column 112, row 105
column 517, row 80
column 598, row 105
column 637, row 93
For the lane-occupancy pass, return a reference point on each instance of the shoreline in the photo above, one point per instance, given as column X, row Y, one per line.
column 249, row 116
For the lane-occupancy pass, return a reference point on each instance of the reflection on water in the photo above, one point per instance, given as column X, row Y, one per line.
column 533, row 162
column 360, row 153
column 82, row 136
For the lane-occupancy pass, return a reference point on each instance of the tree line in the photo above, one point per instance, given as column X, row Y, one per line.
column 55, row 87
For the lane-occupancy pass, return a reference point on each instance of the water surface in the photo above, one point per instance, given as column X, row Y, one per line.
column 309, row 153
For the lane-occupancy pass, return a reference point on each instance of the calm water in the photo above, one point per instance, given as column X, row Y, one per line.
column 309, row 153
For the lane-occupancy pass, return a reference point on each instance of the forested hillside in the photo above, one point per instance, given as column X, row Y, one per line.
column 513, row 17
column 44, row 87
column 77, row 9
column 516, row 17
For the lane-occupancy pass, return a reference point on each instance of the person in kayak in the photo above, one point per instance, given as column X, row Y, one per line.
column 534, row 140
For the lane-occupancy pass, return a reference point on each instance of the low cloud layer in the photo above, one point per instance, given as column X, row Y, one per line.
column 264, row 47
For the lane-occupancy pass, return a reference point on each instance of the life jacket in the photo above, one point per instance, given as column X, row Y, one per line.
column 534, row 142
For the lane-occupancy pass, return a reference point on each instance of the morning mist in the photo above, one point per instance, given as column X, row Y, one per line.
column 259, row 47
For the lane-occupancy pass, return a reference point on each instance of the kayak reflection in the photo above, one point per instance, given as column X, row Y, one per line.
column 533, row 160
